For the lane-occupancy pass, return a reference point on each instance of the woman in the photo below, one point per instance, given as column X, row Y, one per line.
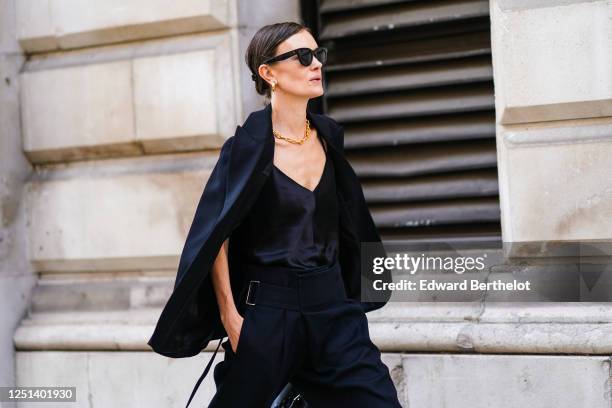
column 273, row 260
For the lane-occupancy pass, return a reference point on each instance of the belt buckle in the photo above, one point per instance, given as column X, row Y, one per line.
column 249, row 292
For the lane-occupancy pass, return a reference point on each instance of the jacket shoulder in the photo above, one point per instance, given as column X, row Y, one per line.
column 227, row 144
column 330, row 121
column 337, row 131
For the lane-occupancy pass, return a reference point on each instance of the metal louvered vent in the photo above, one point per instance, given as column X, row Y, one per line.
column 411, row 82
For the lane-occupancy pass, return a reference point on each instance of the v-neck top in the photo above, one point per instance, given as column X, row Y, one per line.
column 290, row 225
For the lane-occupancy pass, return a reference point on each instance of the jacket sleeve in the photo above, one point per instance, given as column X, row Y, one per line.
column 372, row 301
column 207, row 212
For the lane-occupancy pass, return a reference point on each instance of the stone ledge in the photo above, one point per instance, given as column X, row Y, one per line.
column 536, row 329
column 58, row 24
column 126, row 379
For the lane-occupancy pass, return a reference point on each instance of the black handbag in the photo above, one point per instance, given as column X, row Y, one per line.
column 289, row 397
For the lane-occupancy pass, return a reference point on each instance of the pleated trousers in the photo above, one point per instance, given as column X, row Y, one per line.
column 301, row 328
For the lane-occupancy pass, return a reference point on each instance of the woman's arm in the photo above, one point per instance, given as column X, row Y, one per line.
column 231, row 319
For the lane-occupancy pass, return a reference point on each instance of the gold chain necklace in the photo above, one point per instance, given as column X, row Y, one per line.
column 294, row 141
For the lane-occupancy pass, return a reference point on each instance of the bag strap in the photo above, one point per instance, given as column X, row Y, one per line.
column 204, row 373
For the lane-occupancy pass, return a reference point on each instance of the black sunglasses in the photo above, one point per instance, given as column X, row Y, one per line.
column 304, row 55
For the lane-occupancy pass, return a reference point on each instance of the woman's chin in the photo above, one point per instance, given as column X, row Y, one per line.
column 315, row 93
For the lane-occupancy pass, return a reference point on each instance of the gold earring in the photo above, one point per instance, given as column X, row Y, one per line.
column 273, row 86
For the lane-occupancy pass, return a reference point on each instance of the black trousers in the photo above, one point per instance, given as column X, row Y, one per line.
column 300, row 327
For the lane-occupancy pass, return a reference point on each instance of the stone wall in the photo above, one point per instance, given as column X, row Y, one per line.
column 121, row 107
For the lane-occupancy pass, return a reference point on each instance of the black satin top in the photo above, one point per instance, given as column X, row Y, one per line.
column 290, row 225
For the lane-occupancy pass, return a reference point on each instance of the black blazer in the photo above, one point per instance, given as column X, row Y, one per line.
column 191, row 318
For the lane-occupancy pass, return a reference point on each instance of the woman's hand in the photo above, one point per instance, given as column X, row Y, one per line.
column 233, row 327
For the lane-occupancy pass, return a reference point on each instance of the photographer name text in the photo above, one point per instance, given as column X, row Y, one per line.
column 466, row 284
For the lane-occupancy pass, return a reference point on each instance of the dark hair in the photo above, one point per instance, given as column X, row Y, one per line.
column 263, row 45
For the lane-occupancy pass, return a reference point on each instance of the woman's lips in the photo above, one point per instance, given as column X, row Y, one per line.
column 316, row 79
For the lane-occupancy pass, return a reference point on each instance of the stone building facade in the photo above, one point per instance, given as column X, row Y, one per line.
column 111, row 117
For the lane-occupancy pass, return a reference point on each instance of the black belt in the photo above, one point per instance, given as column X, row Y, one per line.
column 294, row 289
